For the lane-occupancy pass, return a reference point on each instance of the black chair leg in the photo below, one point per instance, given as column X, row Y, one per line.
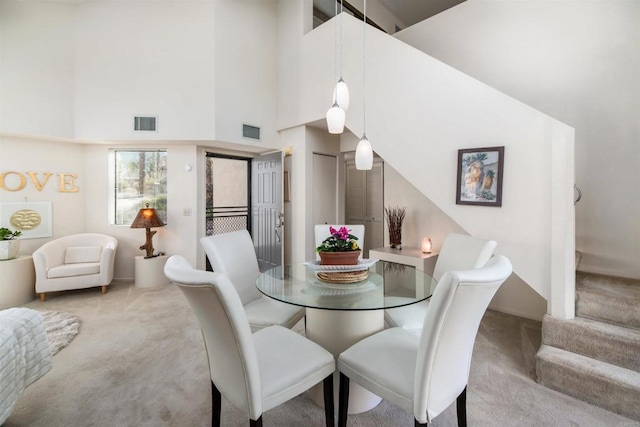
column 461, row 408
column 343, row 400
column 216, row 405
column 329, row 413
column 256, row 423
column 419, row 424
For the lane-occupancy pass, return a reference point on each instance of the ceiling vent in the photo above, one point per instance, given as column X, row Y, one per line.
column 145, row 123
column 251, row 132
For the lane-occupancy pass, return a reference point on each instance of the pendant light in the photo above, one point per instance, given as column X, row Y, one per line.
column 336, row 116
column 364, row 152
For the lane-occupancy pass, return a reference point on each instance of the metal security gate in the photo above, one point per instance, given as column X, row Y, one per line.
column 228, row 195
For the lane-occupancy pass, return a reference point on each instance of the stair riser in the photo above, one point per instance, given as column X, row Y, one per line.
column 618, row 311
column 621, row 348
column 603, row 392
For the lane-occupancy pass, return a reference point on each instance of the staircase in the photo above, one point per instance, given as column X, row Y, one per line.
column 596, row 356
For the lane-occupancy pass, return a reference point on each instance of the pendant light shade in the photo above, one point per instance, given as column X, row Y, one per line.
column 364, row 154
column 335, row 119
column 341, row 94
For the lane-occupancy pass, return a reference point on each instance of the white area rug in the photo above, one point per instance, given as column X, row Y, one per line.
column 61, row 328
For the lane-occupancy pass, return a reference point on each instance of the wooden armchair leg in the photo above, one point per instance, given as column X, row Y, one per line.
column 43, row 296
column 104, row 290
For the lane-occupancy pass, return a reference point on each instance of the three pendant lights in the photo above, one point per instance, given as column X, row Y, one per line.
column 336, row 115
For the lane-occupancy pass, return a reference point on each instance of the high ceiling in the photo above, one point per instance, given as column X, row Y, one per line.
column 414, row 11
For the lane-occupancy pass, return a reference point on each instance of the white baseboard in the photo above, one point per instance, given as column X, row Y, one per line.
column 517, row 313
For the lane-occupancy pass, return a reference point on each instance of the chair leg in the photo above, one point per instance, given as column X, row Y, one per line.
column 256, row 423
column 43, row 296
column 461, row 408
column 343, row 400
column 419, row 424
column 329, row 413
column 216, row 405
column 104, row 290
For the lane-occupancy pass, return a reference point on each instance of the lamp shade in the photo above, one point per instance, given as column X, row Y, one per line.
column 364, row 154
column 341, row 94
column 335, row 119
column 147, row 218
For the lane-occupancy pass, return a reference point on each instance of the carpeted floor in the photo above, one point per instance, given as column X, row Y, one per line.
column 139, row 360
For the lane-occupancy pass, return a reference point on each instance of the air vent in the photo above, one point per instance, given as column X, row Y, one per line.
column 251, row 132
column 145, row 123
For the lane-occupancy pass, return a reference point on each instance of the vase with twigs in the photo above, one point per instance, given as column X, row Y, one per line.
column 395, row 217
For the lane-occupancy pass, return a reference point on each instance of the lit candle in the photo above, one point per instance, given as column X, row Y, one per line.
column 426, row 245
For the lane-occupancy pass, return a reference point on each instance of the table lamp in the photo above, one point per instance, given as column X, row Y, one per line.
column 147, row 218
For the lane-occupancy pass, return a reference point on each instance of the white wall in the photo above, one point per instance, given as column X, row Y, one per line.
column 246, row 69
column 144, row 58
column 578, row 62
column 69, row 210
column 426, row 219
column 36, row 68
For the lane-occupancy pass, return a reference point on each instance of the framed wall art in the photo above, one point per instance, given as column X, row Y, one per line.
column 480, row 176
column 33, row 219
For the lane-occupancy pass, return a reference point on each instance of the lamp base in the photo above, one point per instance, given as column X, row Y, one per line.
column 148, row 245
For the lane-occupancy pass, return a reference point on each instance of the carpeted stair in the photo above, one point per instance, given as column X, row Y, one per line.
column 596, row 356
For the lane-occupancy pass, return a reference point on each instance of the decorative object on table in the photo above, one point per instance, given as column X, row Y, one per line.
column 426, row 245
column 9, row 246
column 479, row 179
column 343, row 277
column 340, row 248
column 395, row 217
column 33, row 219
column 147, row 217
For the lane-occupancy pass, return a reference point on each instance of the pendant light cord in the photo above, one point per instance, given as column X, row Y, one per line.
column 364, row 57
column 341, row 44
column 335, row 64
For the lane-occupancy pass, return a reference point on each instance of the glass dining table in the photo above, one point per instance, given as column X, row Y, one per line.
column 345, row 304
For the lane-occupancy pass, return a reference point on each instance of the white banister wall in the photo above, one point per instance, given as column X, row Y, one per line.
column 421, row 111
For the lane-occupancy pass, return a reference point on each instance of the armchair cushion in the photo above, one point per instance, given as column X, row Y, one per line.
column 78, row 254
column 68, row 270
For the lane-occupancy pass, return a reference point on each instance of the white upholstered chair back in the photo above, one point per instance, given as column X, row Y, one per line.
column 233, row 362
column 462, row 252
column 322, row 232
column 448, row 334
column 234, row 255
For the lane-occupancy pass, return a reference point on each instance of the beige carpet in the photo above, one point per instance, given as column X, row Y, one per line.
column 139, row 360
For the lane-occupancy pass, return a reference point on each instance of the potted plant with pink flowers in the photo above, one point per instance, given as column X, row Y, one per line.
column 340, row 248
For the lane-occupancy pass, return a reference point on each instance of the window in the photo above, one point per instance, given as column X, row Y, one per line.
column 140, row 178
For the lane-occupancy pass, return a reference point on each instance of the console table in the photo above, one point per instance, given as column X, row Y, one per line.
column 17, row 286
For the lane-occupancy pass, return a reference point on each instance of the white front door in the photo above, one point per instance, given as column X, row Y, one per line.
column 267, row 209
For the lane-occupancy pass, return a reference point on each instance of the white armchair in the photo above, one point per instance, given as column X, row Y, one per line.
column 75, row 262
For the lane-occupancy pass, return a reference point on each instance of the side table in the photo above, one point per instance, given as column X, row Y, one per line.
column 149, row 272
column 17, row 286
column 408, row 256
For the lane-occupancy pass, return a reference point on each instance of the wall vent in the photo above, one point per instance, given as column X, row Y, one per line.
column 145, row 123
column 251, row 132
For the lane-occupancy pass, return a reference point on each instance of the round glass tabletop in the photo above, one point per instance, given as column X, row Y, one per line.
column 373, row 285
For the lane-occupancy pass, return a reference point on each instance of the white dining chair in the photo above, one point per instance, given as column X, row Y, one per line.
column 255, row 372
column 234, row 255
column 322, row 232
column 458, row 252
column 425, row 374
